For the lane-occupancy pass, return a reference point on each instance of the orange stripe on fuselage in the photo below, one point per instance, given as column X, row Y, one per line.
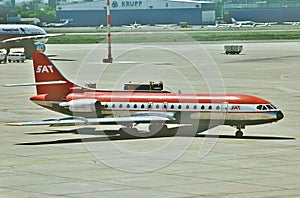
column 6, row 37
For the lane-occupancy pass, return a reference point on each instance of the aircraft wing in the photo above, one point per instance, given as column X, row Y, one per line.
column 165, row 25
column 127, row 26
column 34, row 37
column 71, row 121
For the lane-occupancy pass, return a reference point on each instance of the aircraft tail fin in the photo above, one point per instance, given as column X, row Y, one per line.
column 45, row 72
column 233, row 20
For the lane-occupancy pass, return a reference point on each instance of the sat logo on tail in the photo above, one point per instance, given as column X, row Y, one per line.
column 44, row 69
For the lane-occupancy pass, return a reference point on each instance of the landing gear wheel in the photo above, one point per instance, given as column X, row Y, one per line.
column 128, row 133
column 157, row 128
column 239, row 134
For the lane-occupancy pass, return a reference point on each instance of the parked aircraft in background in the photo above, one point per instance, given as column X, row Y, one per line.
column 57, row 25
column 135, row 25
column 100, row 26
column 267, row 24
column 243, row 23
column 129, row 108
column 223, row 25
column 30, row 37
column 251, row 24
column 293, row 23
column 165, row 26
column 192, row 1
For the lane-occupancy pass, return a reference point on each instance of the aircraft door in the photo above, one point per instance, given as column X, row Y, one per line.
column 224, row 108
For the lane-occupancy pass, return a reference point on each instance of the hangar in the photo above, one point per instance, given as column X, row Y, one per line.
column 143, row 11
column 263, row 12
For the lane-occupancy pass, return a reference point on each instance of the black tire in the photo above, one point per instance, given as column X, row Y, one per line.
column 239, row 134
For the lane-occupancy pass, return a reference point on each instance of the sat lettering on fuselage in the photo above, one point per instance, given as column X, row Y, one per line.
column 131, row 3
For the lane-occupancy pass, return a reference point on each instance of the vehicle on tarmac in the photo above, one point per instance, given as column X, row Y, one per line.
column 16, row 57
column 89, row 106
column 2, row 57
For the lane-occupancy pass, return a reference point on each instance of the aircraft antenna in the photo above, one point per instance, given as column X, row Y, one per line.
column 109, row 56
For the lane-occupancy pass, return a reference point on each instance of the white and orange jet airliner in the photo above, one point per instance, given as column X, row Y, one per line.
column 92, row 106
column 30, row 37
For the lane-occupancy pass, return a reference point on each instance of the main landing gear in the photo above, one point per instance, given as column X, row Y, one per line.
column 155, row 130
column 239, row 132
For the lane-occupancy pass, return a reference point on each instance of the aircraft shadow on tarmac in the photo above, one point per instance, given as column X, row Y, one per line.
column 113, row 135
column 264, row 59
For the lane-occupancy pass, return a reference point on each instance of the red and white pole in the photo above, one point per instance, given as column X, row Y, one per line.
column 109, row 56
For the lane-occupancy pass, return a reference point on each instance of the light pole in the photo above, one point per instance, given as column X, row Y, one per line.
column 109, row 56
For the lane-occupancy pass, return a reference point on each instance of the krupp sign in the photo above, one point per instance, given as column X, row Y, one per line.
column 127, row 4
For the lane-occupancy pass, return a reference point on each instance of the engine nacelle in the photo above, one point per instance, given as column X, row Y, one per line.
column 40, row 47
column 82, row 105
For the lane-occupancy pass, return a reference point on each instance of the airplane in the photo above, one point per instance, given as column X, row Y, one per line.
column 100, row 26
column 89, row 106
column 135, row 25
column 266, row 24
column 293, row 23
column 223, row 25
column 243, row 23
column 192, row 1
column 57, row 25
column 165, row 26
column 32, row 38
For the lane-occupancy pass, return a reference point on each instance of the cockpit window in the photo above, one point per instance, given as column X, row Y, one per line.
column 269, row 107
column 259, row 107
column 273, row 106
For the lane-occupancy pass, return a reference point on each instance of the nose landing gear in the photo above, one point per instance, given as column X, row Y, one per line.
column 239, row 132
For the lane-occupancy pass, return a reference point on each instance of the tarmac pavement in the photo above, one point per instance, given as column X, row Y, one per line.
column 44, row 161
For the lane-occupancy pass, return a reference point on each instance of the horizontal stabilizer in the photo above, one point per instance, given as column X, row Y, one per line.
column 59, row 82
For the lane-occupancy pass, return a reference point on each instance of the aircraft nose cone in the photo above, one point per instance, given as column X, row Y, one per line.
column 279, row 115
